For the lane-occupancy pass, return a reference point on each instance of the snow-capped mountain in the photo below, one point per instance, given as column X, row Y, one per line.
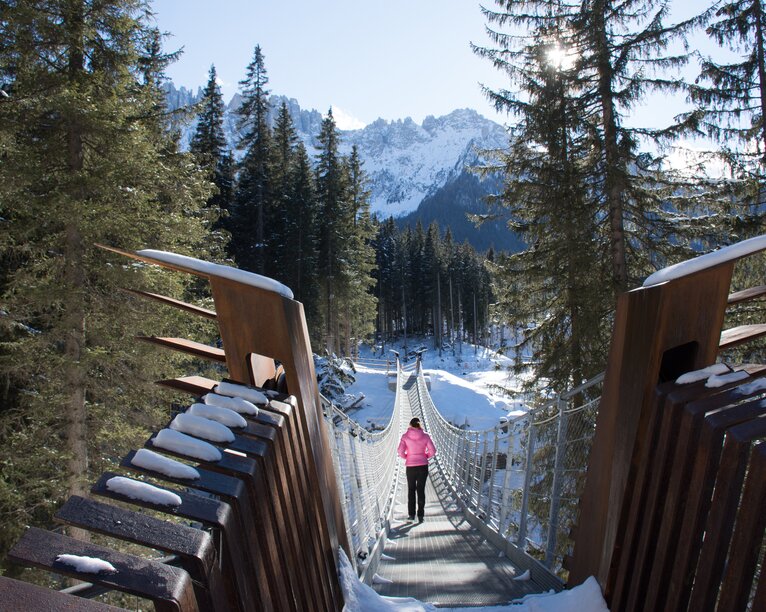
column 405, row 162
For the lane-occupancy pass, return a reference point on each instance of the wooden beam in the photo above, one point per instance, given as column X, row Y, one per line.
column 190, row 347
column 753, row 293
column 197, row 310
column 741, row 335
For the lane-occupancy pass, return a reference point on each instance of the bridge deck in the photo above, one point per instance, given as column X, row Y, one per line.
column 444, row 560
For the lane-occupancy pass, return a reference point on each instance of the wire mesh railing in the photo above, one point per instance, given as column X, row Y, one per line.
column 367, row 470
column 522, row 478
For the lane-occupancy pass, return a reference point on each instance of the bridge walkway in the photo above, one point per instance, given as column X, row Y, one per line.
column 444, row 560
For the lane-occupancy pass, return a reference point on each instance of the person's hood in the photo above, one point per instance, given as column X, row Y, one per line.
column 414, row 433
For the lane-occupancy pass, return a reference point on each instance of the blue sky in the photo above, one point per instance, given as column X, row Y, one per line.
column 365, row 58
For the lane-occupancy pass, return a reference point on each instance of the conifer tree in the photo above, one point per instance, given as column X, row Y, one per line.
column 247, row 222
column 557, row 282
column 280, row 218
column 209, row 146
column 333, row 223
column 730, row 100
column 89, row 163
column 302, row 267
column 359, row 257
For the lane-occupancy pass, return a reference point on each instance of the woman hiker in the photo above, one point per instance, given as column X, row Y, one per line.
column 416, row 448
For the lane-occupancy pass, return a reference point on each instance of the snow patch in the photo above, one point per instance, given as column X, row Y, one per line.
column 527, row 575
column 752, row 388
column 87, row 565
column 697, row 375
column 143, row 491
column 224, row 416
column 708, row 260
column 206, row 268
column 202, row 428
column 180, row 443
column 235, row 390
column 724, row 379
column 237, row 404
column 150, row 460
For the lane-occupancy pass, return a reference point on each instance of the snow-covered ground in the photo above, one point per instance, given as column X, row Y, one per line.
column 467, row 386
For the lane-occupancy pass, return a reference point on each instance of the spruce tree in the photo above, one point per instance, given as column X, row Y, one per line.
column 280, row 218
column 555, row 290
column 359, row 258
column 730, row 101
column 87, row 162
column 333, row 224
column 302, row 267
column 247, row 222
column 209, row 147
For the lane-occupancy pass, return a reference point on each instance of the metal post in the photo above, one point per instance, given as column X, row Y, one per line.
column 483, row 471
column 558, row 468
column 527, row 481
column 496, row 433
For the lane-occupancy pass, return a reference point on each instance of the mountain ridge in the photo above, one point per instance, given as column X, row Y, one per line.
column 407, row 163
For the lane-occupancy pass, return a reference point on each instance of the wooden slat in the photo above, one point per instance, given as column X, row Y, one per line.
column 720, row 522
column 236, row 564
column 190, row 347
column 687, row 504
column 18, row 595
column 194, row 385
column 194, row 548
column 748, row 536
column 753, row 293
column 170, row 588
column 741, row 334
column 254, row 524
column 197, row 310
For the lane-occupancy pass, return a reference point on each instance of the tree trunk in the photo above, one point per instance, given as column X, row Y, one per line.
column 761, row 73
column 74, row 279
column 613, row 180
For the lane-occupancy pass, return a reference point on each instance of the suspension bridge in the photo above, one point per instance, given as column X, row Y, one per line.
column 255, row 489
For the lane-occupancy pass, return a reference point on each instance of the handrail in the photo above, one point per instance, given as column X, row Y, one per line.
column 521, row 479
column 367, row 471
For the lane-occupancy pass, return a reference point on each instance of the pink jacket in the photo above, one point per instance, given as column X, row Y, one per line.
column 416, row 447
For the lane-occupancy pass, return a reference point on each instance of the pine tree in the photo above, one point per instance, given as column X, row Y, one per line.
column 280, row 218
column 247, row 222
column 555, row 289
column 209, row 147
column 302, row 267
column 358, row 258
column 87, row 163
column 730, row 101
column 333, row 217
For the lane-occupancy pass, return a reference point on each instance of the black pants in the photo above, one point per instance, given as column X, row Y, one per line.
column 416, row 482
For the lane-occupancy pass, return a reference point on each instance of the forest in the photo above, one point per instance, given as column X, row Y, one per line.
column 89, row 154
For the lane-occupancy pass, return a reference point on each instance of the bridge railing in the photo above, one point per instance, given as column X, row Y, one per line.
column 367, row 471
column 522, row 479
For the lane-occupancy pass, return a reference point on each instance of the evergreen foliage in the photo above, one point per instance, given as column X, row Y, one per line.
column 428, row 286
column 596, row 214
column 248, row 219
column 85, row 159
column 730, row 101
